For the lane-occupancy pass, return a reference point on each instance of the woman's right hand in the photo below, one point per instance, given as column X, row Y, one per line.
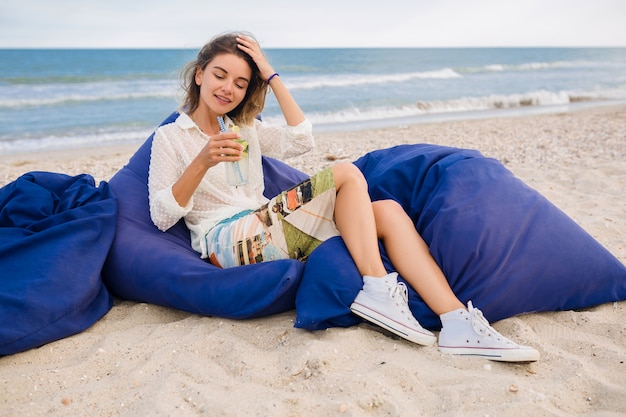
column 221, row 148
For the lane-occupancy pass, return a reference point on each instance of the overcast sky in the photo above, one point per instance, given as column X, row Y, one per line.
column 313, row 23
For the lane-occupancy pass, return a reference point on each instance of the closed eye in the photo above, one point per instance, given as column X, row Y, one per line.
column 242, row 84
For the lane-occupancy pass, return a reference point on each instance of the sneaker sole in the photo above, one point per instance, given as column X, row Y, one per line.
column 501, row 355
column 393, row 326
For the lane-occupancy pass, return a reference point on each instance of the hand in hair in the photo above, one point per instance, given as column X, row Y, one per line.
column 253, row 49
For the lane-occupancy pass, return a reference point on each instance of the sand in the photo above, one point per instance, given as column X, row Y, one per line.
column 147, row 360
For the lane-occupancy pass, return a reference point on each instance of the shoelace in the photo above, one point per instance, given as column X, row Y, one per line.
column 482, row 326
column 399, row 289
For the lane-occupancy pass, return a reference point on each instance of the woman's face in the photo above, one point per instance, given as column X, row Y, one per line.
column 223, row 83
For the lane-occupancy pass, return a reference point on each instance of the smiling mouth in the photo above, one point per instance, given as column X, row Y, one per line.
column 223, row 99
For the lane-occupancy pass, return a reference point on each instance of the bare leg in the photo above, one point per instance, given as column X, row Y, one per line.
column 361, row 223
column 355, row 220
column 382, row 300
column 411, row 257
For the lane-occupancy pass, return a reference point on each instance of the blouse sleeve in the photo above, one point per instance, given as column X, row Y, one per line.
column 163, row 173
column 285, row 141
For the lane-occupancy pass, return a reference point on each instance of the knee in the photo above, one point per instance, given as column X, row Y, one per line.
column 387, row 213
column 347, row 172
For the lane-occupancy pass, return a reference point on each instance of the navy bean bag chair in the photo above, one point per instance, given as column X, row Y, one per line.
column 55, row 233
column 500, row 243
column 146, row 264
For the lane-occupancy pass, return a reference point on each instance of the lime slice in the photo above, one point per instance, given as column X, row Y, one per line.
column 245, row 145
column 244, row 142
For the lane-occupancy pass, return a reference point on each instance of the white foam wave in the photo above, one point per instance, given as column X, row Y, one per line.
column 535, row 98
column 464, row 104
column 70, row 141
column 535, row 66
column 346, row 116
column 54, row 94
column 494, row 67
column 313, row 82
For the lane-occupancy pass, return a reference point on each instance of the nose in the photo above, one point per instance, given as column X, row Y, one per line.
column 227, row 85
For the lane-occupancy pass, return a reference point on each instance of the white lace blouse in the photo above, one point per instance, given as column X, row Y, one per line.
column 174, row 147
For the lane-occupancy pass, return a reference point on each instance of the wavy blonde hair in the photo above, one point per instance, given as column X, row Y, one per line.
column 254, row 100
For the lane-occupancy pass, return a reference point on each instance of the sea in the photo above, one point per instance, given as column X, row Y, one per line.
column 71, row 98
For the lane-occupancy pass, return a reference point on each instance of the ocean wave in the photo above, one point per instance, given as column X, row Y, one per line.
column 77, row 79
column 72, row 140
column 313, row 82
column 345, row 117
column 463, row 104
column 534, row 66
column 21, row 96
column 535, row 98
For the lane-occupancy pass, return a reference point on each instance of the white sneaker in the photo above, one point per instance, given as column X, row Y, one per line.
column 384, row 302
column 467, row 332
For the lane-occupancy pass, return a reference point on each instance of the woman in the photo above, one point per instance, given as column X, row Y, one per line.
column 233, row 225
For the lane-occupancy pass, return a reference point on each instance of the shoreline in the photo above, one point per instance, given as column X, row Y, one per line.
column 143, row 359
column 539, row 149
column 460, row 116
column 388, row 123
column 340, row 133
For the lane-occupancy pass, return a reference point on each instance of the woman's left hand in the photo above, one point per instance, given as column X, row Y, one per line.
column 253, row 49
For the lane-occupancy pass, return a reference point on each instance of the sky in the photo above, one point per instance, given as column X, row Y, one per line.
column 312, row 23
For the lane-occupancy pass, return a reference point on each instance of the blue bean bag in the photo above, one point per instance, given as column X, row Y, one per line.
column 148, row 265
column 499, row 242
column 55, row 233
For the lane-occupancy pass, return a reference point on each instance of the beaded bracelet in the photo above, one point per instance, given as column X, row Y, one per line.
column 272, row 76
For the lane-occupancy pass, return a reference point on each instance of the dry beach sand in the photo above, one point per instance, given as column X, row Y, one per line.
column 146, row 360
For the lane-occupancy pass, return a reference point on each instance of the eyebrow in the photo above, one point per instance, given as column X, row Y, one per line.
column 239, row 78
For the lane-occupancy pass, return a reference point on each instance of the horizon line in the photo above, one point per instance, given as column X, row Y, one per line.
column 2, row 47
